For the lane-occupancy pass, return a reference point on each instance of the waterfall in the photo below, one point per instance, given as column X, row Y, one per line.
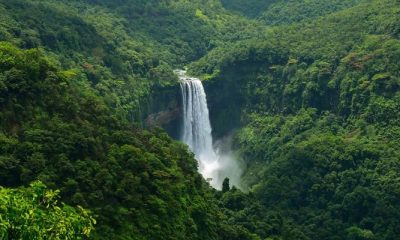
column 196, row 132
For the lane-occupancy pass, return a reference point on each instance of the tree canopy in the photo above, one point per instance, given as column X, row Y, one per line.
column 307, row 90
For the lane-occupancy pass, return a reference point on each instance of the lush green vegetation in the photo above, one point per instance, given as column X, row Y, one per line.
column 317, row 107
column 311, row 89
column 250, row 8
column 286, row 12
column 123, row 51
column 34, row 213
column 279, row 12
column 138, row 184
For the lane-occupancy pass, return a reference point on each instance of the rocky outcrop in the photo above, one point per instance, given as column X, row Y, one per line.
column 163, row 118
column 162, row 108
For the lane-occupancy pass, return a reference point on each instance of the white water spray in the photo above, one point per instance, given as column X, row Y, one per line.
column 197, row 133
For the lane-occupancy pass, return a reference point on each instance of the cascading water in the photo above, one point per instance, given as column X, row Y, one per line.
column 197, row 128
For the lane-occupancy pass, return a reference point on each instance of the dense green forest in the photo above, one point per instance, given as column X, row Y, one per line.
column 307, row 90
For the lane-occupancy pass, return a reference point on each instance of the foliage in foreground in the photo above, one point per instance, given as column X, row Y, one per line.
column 317, row 102
column 36, row 213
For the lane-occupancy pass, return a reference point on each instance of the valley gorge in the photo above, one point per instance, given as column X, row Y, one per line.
column 284, row 124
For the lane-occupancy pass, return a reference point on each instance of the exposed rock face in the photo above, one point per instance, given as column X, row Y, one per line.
column 228, row 96
column 225, row 104
column 163, row 118
column 163, row 109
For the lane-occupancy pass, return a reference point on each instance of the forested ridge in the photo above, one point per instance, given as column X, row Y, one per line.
column 307, row 90
column 318, row 119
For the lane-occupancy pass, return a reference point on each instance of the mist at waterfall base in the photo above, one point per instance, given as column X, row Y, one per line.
column 215, row 164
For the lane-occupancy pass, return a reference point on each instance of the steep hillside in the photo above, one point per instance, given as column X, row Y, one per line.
column 317, row 107
column 123, row 49
column 286, row 12
column 250, row 8
column 280, row 12
column 139, row 184
column 306, row 91
column 74, row 78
